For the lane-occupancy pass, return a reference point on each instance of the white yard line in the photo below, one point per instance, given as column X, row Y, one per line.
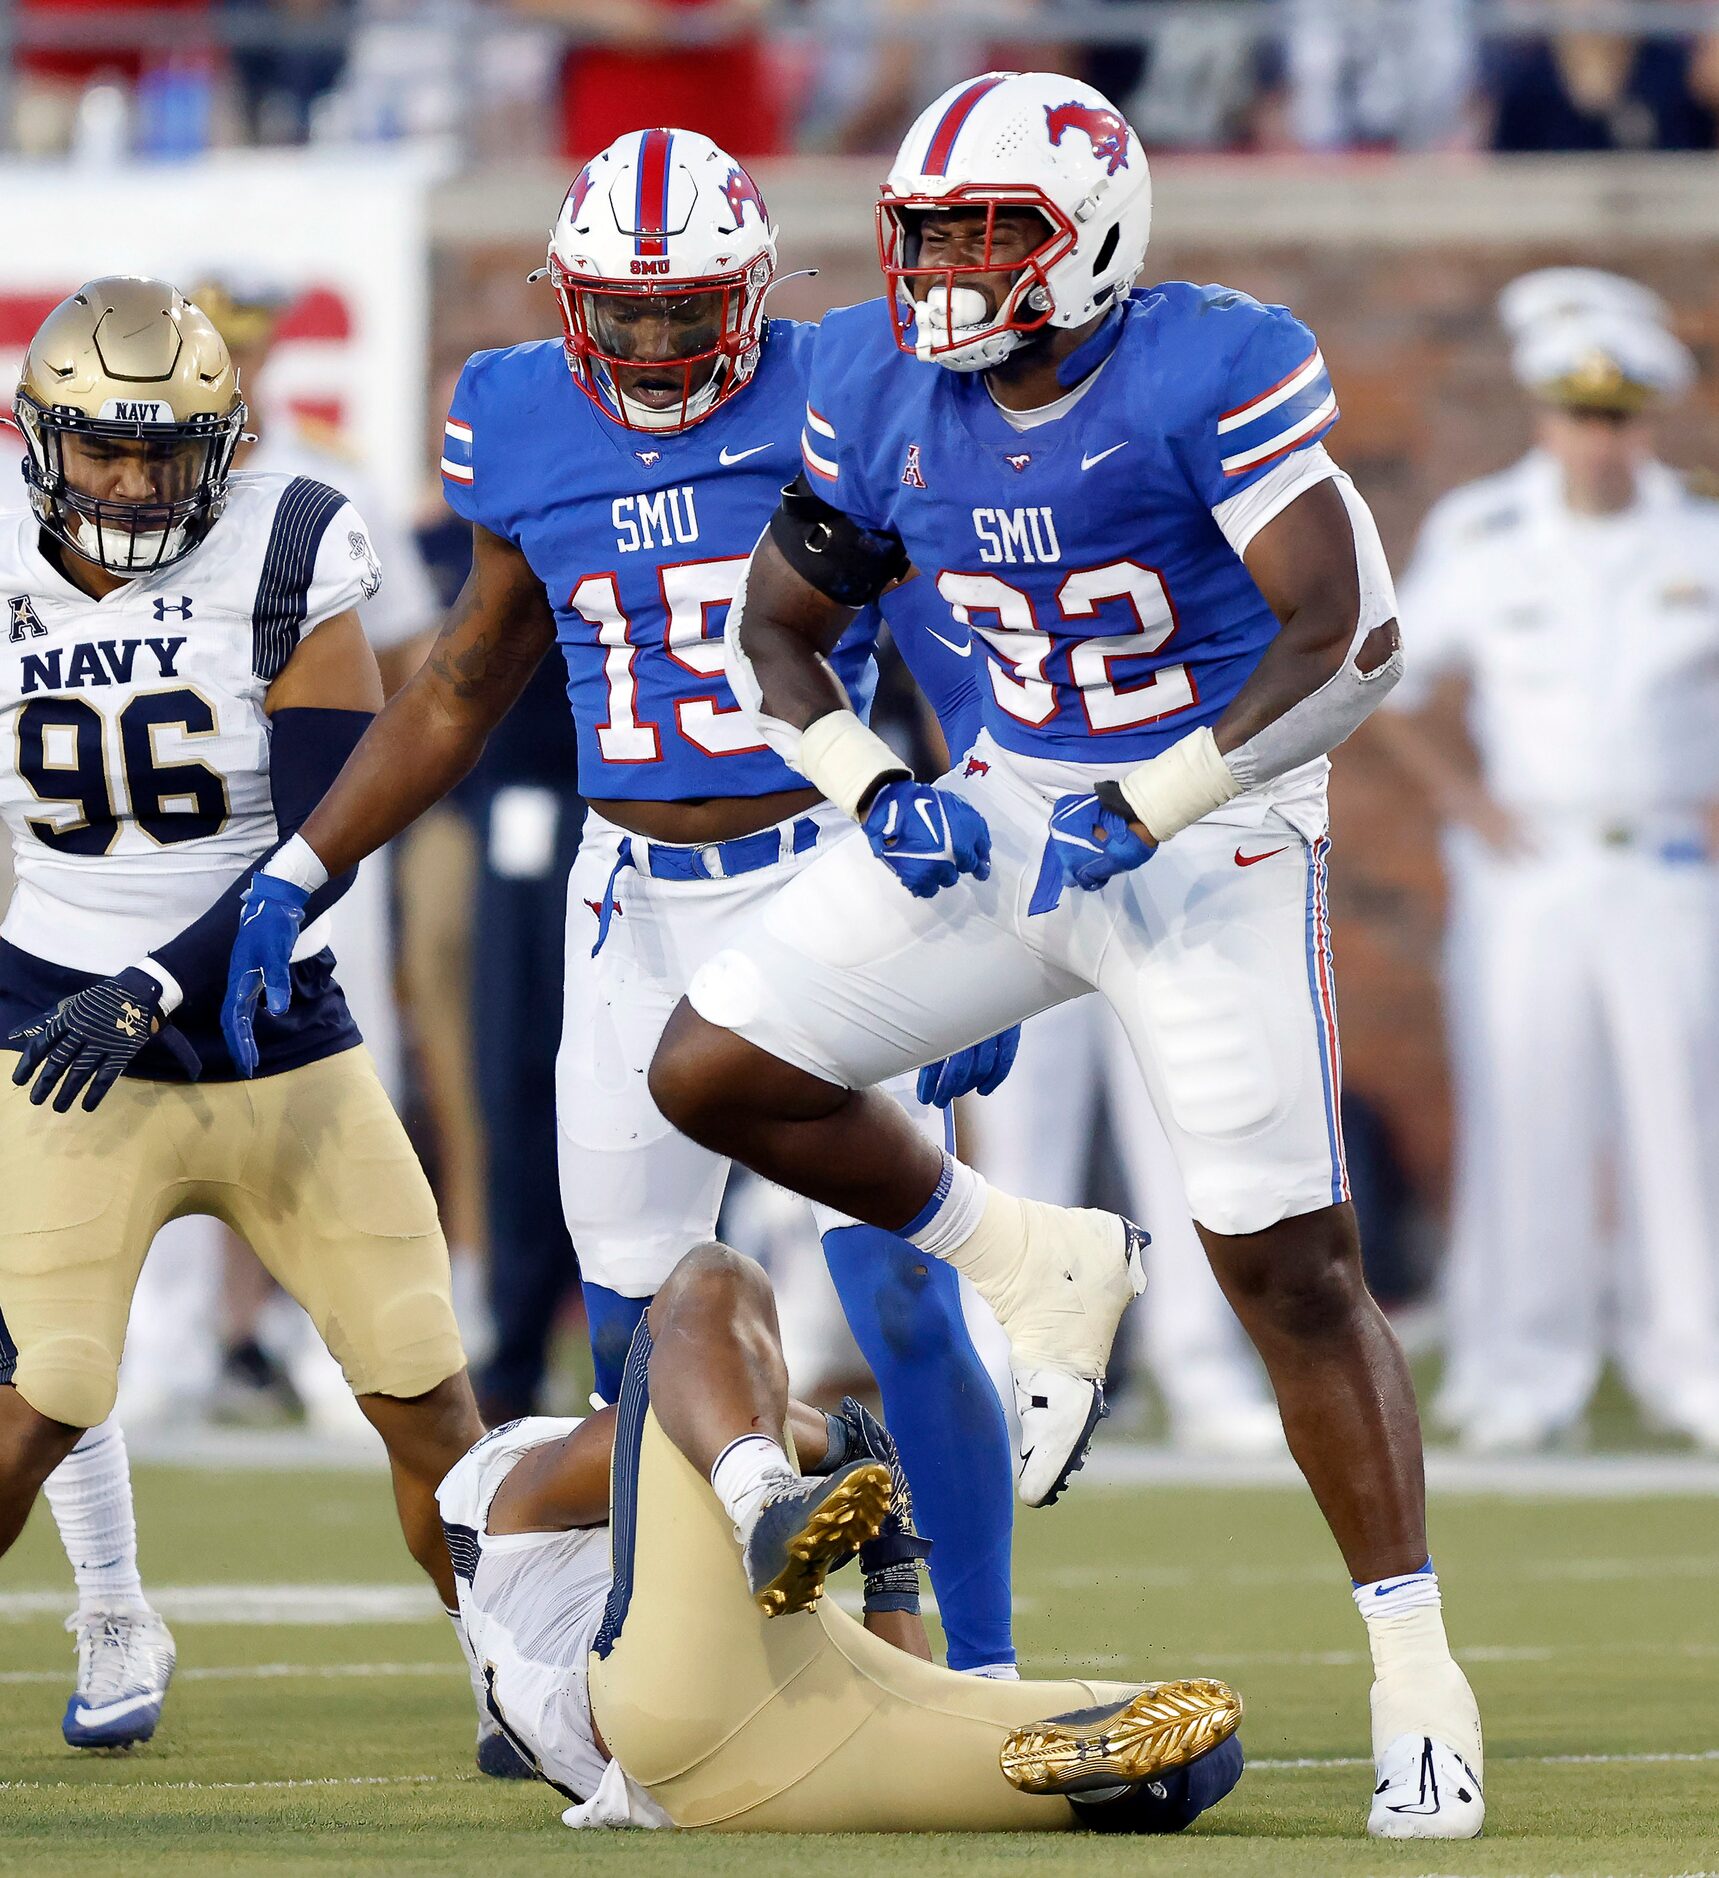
column 1182, row 1577
column 433, row 1780
column 255, row 1604
column 264, row 1672
column 1114, row 1463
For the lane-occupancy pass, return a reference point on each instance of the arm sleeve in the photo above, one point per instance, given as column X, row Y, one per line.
column 307, row 750
column 1271, row 399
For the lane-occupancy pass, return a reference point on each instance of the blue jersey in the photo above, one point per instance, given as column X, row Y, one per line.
column 640, row 540
column 1085, row 554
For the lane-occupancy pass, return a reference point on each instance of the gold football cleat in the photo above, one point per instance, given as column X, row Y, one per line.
column 1160, row 1728
column 826, row 1522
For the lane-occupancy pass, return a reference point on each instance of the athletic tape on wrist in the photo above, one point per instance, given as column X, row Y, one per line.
column 298, row 862
column 172, row 992
column 1170, row 791
column 846, row 760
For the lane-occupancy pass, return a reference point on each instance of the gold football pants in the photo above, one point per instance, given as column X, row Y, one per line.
column 807, row 1723
column 311, row 1166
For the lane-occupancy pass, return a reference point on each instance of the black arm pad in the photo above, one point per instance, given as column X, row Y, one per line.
column 831, row 551
column 308, row 747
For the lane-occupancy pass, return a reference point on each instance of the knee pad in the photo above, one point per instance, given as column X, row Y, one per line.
column 68, row 1379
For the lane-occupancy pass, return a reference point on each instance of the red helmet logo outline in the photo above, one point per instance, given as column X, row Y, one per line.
column 1104, row 130
column 580, row 189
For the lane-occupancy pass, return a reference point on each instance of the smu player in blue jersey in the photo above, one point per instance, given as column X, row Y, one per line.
column 613, row 506
column 1183, row 606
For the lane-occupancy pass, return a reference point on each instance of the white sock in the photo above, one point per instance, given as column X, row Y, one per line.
column 745, row 1473
column 90, row 1495
column 1418, row 1687
column 952, row 1213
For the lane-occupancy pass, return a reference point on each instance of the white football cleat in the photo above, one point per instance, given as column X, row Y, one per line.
column 1426, row 1791
column 1080, row 1271
column 125, row 1662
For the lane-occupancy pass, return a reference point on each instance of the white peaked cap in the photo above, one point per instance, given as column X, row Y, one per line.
column 1602, row 361
column 1554, row 292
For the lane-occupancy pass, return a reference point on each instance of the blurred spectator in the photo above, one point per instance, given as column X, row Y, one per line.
column 1395, row 74
column 1561, row 711
column 1604, row 91
column 279, row 85
column 52, row 82
column 1190, row 86
column 701, row 64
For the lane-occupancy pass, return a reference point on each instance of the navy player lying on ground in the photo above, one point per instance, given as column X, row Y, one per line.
column 615, row 481
column 644, row 1590
column 186, row 672
column 1183, row 606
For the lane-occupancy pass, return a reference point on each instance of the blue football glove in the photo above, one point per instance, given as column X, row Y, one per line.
column 927, row 837
column 86, row 1042
column 977, row 1070
column 261, row 963
column 1093, row 844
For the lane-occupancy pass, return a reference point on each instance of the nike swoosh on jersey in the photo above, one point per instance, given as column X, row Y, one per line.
column 961, row 652
column 739, row 456
column 1248, row 860
column 1086, row 462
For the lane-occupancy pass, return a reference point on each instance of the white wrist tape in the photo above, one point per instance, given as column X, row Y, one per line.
column 298, row 862
column 1179, row 785
column 846, row 759
column 172, row 992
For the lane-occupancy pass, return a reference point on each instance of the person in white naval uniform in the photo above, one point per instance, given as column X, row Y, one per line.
column 1570, row 606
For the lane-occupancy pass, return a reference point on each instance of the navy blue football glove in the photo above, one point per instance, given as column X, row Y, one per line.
column 261, row 963
column 1093, row 844
column 927, row 837
column 86, row 1042
column 977, row 1070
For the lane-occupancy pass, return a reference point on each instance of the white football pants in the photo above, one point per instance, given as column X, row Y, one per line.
column 1584, row 1020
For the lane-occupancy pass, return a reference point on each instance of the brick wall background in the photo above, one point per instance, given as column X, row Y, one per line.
column 1398, row 275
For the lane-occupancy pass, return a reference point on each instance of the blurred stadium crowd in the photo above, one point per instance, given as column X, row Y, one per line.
column 456, row 953
column 774, row 77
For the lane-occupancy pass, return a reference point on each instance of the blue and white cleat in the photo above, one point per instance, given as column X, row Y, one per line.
column 1425, row 1790
column 125, row 1662
column 809, row 1527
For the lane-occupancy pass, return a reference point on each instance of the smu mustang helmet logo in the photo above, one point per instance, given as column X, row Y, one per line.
column 577, row 194
column 738, row 191
column 1104, row 130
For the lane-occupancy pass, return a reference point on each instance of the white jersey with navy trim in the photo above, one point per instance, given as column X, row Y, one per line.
column 134, row 748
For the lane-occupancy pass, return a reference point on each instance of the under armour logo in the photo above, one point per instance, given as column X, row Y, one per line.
column 24, row 620
column 1020, row 462
column 911, row 474
column 130, row 1021
column 180, row 607
column 976, row 766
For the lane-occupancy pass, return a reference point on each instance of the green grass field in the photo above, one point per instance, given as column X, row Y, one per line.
column 1591, row 1629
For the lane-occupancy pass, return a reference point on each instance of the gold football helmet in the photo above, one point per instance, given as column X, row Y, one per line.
column 130, row 410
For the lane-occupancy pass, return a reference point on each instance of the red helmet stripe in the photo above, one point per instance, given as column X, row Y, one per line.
column 650, row 206
column 943, row 138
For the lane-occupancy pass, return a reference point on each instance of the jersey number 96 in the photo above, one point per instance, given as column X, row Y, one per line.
column 62, row 755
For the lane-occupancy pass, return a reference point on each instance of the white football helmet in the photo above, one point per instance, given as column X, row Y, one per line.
column 661, row 257
column 1014, row 140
